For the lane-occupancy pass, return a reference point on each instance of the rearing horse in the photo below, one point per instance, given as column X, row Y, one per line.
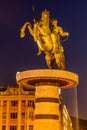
column 47, row 35
column 41, row 34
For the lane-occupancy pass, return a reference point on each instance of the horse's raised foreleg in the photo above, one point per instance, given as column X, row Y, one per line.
column 22, row 32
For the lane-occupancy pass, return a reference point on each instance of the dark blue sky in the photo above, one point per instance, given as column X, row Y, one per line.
column 21, row 54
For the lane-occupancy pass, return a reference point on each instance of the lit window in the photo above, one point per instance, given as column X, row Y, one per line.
column 13, row 127
column 13, row 115
column 23, row 115
column 4, row 103
column 31, row 104
column 30, row 127
column 31, row 115
column 4, row 115
column 23, row 103
column 14, row 103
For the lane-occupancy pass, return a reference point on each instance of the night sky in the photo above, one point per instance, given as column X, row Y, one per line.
column 21, row 54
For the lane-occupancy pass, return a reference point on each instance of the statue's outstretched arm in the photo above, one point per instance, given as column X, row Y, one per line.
column 62, row 33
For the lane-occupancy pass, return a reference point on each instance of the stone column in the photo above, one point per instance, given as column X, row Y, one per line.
column 46, row 107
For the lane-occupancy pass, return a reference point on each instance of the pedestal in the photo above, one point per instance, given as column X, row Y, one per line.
column 47, row 84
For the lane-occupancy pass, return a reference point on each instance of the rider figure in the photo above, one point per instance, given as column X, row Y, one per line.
column 57, row 33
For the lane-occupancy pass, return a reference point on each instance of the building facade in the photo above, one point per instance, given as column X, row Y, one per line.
column 17, row 107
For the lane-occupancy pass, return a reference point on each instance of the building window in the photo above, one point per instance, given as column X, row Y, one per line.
column 30, row 127
column 14, row 103
column 22, row 115
column 22, row 127
column 23, row 103
column 3, row 127
column 13, row 127
column 13, row 115
column 4, row 115
column 31, row 115
column 31, row 104
column 4, row 103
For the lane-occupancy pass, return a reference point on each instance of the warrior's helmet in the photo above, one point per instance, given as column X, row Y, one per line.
column 45, row 14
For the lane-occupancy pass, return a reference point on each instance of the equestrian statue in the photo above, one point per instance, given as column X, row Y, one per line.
column 47, row 34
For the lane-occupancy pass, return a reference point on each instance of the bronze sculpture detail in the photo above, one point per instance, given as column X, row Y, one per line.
column 47, row 34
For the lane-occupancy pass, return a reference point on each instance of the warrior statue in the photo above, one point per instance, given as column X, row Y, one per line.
column 47, row 34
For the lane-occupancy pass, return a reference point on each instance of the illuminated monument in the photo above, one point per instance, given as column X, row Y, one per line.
column 47, row 82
